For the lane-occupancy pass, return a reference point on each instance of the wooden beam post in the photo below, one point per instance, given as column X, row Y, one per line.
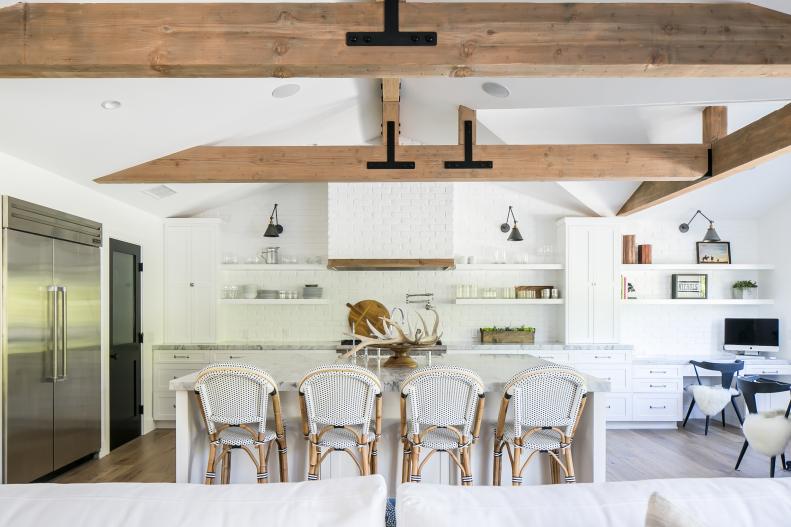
column 238, row 164
column 715, row 123
column 467, row 114
column 473, row 39
column 756, row 143
column 391, row 97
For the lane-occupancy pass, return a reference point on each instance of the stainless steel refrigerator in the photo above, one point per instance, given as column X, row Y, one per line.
column 50, row 339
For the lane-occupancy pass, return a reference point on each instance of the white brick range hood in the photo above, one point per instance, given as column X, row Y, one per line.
column 395, row 226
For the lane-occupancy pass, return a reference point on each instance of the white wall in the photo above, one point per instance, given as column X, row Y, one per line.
column 773, row 238
column 120, row 221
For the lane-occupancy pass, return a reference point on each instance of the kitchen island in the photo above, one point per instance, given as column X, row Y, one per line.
column 288, row 366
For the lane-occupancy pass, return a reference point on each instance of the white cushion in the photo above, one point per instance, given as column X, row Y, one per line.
column 710, row 399
column 358, row 502
column 767, row 432
column 718, row 501
column 664, row 513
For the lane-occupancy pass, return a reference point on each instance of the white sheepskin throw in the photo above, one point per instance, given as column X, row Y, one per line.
column 767, row 432
column 710, row 399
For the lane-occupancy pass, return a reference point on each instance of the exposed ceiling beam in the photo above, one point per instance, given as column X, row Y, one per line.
column 245, row 164
column 756, row 143
column 391, row 107
column 473, row 39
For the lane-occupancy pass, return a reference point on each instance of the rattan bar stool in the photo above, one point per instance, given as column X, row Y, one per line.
column 234, row 402
column 547, row 405
column 338, row 403
column 441, row 411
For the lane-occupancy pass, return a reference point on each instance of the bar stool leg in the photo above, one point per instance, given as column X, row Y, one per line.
column 313, row 455
column 772, row 466
column 741, row 454
column 210, row 474
column 516, row 475
column 374, row 455
column 498, row 462
column 570, row 475
column 365, row 468
column 282, row 455
column 405, row 467
column 263, row 471
column 466, row 475
column 736, row 409
column 414, row 464
column 706, row 431
column 226, row 465
column 554, row 469
column 689, row 412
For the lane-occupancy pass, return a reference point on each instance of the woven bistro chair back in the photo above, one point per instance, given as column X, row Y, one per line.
column 545, row 396
column 442, row 396
column 339, row 395
column 234, row 394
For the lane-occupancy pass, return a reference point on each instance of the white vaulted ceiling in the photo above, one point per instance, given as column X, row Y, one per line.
column 59, row 125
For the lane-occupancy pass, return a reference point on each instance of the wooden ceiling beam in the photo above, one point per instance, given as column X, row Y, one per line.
column 391, row 107
column 756, row 143
column 245, row 164
column 473, row 39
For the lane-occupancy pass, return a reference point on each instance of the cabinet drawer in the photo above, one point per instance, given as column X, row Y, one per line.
column 600, row 357
column 620, row 380
column 649, row 407
column 656, row 386
column 164, row 406
column 656, row 371
column 619, row 407
column 561, row 357
column 237, row 356
column 164, row 374
column 179, row 356
column 767, row 369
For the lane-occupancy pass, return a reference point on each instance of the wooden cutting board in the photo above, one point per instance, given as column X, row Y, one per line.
column 370, row 310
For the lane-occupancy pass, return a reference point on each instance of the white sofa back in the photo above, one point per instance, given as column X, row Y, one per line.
column 353, row 502
column 716, row 502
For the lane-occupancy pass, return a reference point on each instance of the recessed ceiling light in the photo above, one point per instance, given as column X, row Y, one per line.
column 495, row 89
column 286, row 90
column 111, row 105
column 159, row 192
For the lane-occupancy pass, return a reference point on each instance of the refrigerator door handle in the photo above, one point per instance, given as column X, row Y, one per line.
column 52, row 292
column 64, row 331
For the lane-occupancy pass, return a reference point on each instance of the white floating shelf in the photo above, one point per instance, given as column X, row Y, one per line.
column 509, row 301
column 510, row 267
column 697, row 267
column 702, row 301
column 275, row 301
column 273, row 267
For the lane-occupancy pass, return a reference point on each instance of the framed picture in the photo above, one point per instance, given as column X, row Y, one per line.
column 690, row 286
column 714, row 252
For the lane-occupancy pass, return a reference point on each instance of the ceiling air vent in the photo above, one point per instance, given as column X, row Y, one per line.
column 159, row 192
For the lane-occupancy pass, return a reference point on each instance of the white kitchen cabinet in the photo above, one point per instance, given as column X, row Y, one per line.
column 190, row 279
column 592, row 307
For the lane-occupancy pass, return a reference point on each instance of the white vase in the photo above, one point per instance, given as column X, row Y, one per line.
column 748, row 293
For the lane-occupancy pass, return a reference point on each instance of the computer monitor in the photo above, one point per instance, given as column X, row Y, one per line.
column 752, row 335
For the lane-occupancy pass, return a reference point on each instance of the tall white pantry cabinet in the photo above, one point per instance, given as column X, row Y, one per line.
column 592, row 254
column 191, row 248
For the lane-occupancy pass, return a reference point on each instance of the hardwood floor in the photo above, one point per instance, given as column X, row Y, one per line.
column 683, row 453
column 631, row 455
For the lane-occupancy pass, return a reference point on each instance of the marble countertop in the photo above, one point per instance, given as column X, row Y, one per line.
column 721, row 357
column 495, row 369
column 323, row 346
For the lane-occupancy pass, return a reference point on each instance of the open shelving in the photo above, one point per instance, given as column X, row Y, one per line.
column 509, row 301
column 274, row 301
column 696, row 267
column 698, row 301
column 273, row 267
column 510, row 267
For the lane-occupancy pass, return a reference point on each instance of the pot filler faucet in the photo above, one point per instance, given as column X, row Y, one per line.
column 421, row 298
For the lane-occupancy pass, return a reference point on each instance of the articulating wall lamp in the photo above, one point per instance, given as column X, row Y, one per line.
column 711, row 234
column 274, row 229
column 515, row 235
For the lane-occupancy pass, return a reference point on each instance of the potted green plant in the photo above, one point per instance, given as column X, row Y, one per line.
column 745, row 289
column 508, row 335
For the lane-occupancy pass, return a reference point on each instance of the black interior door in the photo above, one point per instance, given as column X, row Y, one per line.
column 125, row 343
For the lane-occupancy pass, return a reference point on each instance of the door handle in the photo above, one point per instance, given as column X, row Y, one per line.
column 52, row 291
column 114, row 356
column 64, row 333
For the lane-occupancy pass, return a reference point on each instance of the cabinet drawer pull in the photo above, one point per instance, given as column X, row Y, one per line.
column 657, row 407
column 764, row 372
column 174, row 406
column 657, row 385
column 608, row 406
column 235, row 357
column 657, row 371
column 602, row 356
column 181, row 356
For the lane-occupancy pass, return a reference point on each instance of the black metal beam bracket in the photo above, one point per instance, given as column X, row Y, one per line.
column 391, row 163
column 468, row 161
column 391, row 36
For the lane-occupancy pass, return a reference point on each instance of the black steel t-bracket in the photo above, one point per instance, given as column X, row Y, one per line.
column 391, row 36
column 391, row 163
column 468, row 161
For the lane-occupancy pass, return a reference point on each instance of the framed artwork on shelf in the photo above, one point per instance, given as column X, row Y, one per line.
column 714, row 252
column 690, row 286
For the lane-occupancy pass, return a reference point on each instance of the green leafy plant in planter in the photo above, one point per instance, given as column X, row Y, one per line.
column 508, row 335
column 745, row 289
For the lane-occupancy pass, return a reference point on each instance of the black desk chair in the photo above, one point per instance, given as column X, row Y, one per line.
column 751, row 385
column 728, row 370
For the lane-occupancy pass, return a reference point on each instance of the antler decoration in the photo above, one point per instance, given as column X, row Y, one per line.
column 395, row 335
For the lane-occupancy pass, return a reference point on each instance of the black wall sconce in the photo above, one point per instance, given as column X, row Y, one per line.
column 274, row 229
column 515, row 235
column 711, row 234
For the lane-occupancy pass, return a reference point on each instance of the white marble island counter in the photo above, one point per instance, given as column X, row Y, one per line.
column 287, row 367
